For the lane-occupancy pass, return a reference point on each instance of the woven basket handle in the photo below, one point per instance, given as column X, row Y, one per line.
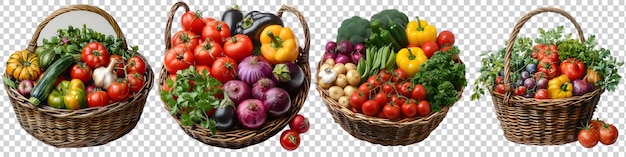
column 81, row 7
column 304, row 56
column 513, row 37
column 168, row 27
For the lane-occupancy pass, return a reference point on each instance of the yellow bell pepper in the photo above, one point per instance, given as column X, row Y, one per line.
column 560, row 87
column 278, row 44
column 420, row 32
column 410, row 60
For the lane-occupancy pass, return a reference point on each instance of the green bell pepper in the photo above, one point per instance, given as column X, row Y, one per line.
column 69, row 95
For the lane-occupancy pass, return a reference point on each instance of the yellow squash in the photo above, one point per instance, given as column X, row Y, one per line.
column 23, row 65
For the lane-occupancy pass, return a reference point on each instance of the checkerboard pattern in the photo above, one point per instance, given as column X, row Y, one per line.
column 470, row 128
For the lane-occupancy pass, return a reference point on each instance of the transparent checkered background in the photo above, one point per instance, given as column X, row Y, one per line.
column 470, row 128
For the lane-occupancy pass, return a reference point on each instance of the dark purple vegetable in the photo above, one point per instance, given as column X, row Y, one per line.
column 345, row 47
column 288, row 76
column 231, row 17
column 253, row 68
column 237, row 91
column 529, row 83
column 90, row 88
column 276, row 101
column 225, row 116
column 329, row 55
column 529, row 95
column 581, row 87
column 525, row 75
column 331, row 47
column 261, row 86
column 542, row 83
column 356, row 57
column 343, row 59
column 25, row 87
column 251, row 114
column 360, row 48
column 531, row 68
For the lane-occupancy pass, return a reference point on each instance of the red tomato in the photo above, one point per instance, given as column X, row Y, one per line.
column 208, row 19
column 373, row 80
column 542, row 51
column 136, row 64
column 224, row 69
column 97, row 99
column 423, row 108
column 392, row 111
column 500, row 88
column 398, row 75
column 370, row 108
column 608, row 134
column 136, row 81
column 540, row 74
column 178, row 58
column 95, row 55
column 381, row 98
column 299, row 123
column 238, row 47
column 573, row 68
column 388, row 88
column 406, row 89
column 419, row 92
column 549, row 66
column 542, row 94
column 384, row 75
column 118, row 90
column 445, row 38
column 397, row 100
column 521, row 90
column 446, row 48
column 290, row 139
column 596, row 124
column 588, row 137
column 82, row 72
column 430, row 48
column 409, row 109
column 119, row 66
column 170, row 77
column 207, row 52
column 186, row 38
column 499, row 80
column 192, row 21
column 217, row 31
column 365, row 88
column 201, row 68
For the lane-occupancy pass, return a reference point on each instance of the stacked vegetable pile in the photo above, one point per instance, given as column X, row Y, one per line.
column 216, row 80
column 76, row 69
column 391, row 70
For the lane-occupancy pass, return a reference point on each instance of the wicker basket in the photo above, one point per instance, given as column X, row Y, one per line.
column 241, row 138
column 541, row 122
column 84, row 127
column 384, row 131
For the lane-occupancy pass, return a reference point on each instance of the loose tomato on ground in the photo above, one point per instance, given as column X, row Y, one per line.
column 370, row 108
column 588, row 137
column 224, row 69
column 136, row 64
column 207, row 52
column 217, row 31
column 119, row 66
column 186, row 38
column 549, row 66
column 385, row 75
column 405, row 89
column 542, row 94
column 136, row 81
column 388, row 88
column 97, row 99
column 192, row 21
column 398, row 75
column 381, row 98
column 409, row 109
column 392, row 111
column 95, row 55
column 118, row 90
column 423, row 108
column 430, row 48
column 290, row 139
column 238, row 47
column 596, row 124
column 178, row 58
column 82, row 72
column 419, row 92
column 541, row 51
column 573, row 68
column 445, row 38
column 608, row 134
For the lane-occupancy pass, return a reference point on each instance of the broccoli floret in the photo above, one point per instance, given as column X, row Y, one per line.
column 355, row 29
column 393, row 14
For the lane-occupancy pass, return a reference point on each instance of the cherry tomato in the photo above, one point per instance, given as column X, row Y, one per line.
column 192, row 21
column 588, row 137
column 419, row 92
column 406, row 89
column 409, row 109
column 373, row 80
column 290, row 139
column 521, row 90
column 136, row 81
column 499, row 80
column 370, row 108
column 365, row 88
column 82, row 72
column 430, row 48
column 445, row 38
column 398, row 75
column 381, row 98
column 224, row 69
column 95, row 55
column 396, row 100
column 423, row 108
column 542, row 94
column 392, row 111
column 97, row 99
column 388, row 88
column 357, row 99
column 384, row 75
column 136, row 64
column 500, row 88
column 118, row 90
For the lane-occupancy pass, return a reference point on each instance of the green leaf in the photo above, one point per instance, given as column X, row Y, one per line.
column 185, row 120
column 8, row 82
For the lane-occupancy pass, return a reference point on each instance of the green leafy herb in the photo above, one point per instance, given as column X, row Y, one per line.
column 7, row 81
column 72, row 40
column 441, row 77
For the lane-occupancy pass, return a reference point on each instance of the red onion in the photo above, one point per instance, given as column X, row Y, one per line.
column 329, row 55
column 581, row 87
column 261, row 86
column 331, row 47
column 237, row 91
column 276, row 101
column 253, row 68
column 25, row 87
column 251, row 113
column 343, row 59
column 90, row 88
column 356, row 56
column 345, row 47
column 360, row 48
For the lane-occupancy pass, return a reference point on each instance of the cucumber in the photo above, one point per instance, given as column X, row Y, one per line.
column 46, row 83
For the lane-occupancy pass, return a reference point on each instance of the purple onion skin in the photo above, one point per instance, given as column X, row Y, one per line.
column 356, row 56
column 251, row 113
column 253, row 68
column 343, row 59
column 529, row 83
column 360, row 48
column 259, row 88
column 25, row 87
column 329, row 55
column 581, row 87
column 297, row 78
column 237, row 91
column 345, row 47
column 90, row 88
column 525, row 75
column 331, row 47
column 542, row 83
column 276, row 101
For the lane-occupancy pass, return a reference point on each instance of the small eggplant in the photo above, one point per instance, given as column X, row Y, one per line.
column 225, row 115
column 253, row 24
column 232, row 16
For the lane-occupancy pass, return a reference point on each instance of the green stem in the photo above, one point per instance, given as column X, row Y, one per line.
column 411, row 56
column 419, row 24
